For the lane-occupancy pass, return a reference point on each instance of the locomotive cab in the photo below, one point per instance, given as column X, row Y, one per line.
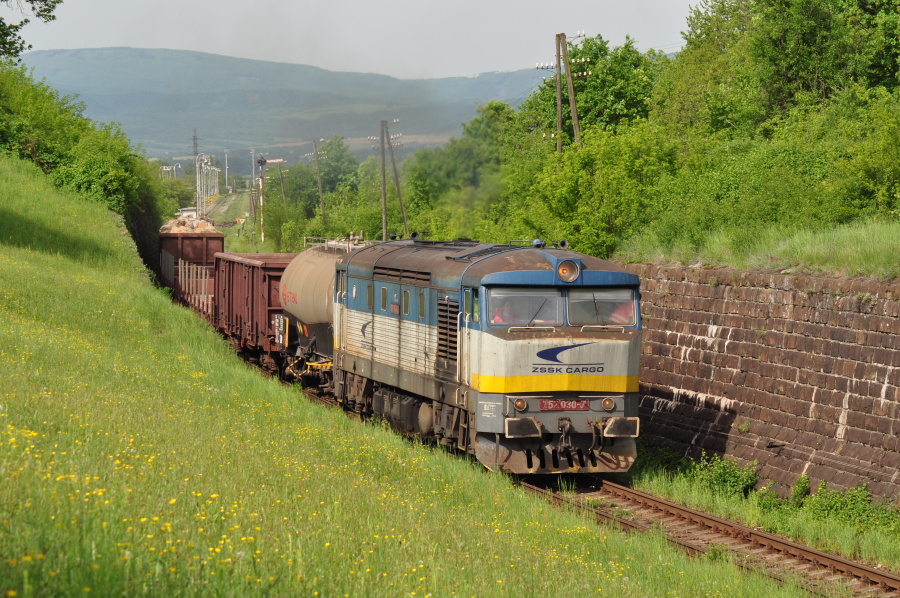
column 553, row 363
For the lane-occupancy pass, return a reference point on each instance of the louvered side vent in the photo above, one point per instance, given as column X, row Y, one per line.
column 390, row 274
column 448, row 312
column 411, row 276
column 401, row 276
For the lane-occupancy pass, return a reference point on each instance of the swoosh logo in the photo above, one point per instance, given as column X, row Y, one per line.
column 553, row 354
column 364, row 326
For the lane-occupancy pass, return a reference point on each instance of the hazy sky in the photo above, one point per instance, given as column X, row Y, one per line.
column 402, row 38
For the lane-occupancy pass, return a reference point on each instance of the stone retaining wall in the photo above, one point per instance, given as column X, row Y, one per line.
column 799, row 373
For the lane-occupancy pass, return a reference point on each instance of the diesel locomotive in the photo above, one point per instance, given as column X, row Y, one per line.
column 526, row 356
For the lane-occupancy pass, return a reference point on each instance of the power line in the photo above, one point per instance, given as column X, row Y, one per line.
column 662, row 47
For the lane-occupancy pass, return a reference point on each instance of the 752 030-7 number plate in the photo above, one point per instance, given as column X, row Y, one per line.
column 565, row 405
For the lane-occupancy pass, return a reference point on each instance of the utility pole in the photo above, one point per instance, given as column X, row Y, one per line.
column 319, row 180
column 562, row 62
column 564, row 46
column 390, row 141
column 198, row 185
column 559, row 92
column 262, row 230
column 226, row 170
column 383, row 186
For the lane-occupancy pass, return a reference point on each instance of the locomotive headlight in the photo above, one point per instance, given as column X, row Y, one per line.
column 567, row 271
column 608, row 404
column 520, row 404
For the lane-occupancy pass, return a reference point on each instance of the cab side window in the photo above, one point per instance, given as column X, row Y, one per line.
column 471, row 304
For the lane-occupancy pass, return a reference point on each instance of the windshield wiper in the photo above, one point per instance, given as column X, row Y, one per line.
column 540, row 307
column 596, row 307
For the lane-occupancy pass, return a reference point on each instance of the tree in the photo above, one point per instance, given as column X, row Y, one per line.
column 337, row 166
column 881, row 21
column 465, row 161
column 809, row 49
column 804, row 48
column 36, row 123
column 178, row 192
column 302, row 188
column 11, row 43
column 102, row 167
column 601, row 192
column 712, row 86
column 618, row 89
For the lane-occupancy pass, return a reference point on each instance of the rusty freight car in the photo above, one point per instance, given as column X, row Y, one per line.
column 187, row 249
column 247, row 287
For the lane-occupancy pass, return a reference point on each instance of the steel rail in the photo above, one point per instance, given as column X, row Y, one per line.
column 870, row 579
column 882, row 579
column 604, row 516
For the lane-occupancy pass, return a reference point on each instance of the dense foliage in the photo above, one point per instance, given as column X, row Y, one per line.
column 776, row 113
column 97, row 161
column 11, row 43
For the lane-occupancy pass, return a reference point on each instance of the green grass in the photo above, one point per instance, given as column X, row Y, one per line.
column 848, row 523
column 869, row 248
column 138, row 455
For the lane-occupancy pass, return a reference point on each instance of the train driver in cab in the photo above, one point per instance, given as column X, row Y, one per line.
column 623, row 314
column 503, row 314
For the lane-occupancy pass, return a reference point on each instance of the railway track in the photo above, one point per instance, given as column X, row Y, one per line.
column 698, row 533
column 321, row 398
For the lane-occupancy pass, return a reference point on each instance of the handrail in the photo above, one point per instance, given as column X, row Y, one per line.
column 458, row 352
column 603, row 327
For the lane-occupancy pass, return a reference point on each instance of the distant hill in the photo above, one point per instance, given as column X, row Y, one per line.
column 161, row 96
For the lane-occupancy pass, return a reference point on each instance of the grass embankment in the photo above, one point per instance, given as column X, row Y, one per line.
column 138, row 455
column 865, row 248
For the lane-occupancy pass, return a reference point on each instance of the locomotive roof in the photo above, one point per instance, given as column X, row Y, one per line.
column 449, row 264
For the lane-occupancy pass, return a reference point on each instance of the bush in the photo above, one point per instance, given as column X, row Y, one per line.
column 101, row 166
column 97, row 161
column 724, row 476
column 852, row 506
column 800, row 491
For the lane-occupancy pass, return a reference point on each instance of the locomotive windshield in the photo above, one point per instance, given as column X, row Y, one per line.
column 525, row 307
column 601, row 307
column 545, row 307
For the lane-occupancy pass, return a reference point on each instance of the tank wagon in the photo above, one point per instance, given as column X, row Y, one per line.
column 526, row 357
